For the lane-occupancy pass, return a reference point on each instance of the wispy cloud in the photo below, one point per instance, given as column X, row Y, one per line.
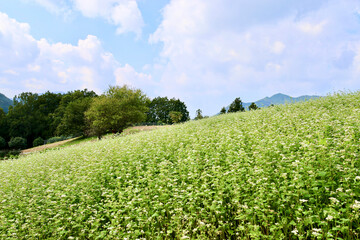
column 124, row 14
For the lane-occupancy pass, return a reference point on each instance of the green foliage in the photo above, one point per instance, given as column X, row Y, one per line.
column 253, row 106
column 160, row 108
column 38, row 142
column 236, row 106
column 223, row 110
column 4, row 128
column 286, row 172
column 9, row 154
column 73, row 121
column 2, row 143
column 17, row 143
column 198, row 115
column 69, row 117
column 175, row 116
column 30, row 117
column 117, row 109
column 56, row 139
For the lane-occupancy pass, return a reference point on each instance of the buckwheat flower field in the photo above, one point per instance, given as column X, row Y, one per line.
column 284, row 172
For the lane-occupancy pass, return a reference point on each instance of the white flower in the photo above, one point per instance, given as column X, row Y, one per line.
column 303, row 200
column 357, row 178
column 329, row 218
column 295, row 231
column 316, row 231
column 356, row 205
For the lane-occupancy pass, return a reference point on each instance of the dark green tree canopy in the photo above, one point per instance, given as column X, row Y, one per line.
column 67, row 118
column 2, row 143
column 253, row 106
column 223, row 110
column 4, row 128
column 236, row 106
column 160, row 108
column 18, row 143
column 30, row 116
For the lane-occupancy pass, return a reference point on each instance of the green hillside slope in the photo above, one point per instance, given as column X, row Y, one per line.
column 276, row 173
column 5, row 103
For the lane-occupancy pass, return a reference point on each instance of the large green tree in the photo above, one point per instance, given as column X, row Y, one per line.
column 69, row 115
column 69, row 118
column 116, row 109
column 236, row 106
column 160, row 108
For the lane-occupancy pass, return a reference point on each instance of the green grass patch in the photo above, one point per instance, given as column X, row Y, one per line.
column 285, row 172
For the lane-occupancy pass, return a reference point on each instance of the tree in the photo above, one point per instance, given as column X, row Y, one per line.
column 31, row 115
column 18, row 143
column 175, row 116
column 4, row 128
column 160, row 108
column 69, row 117
column 198, row 115
column 73, row 120
column 2, row 143
column 253, row 106
column 223, row 110
column 117, row 109
column 38, row 142
column 236, row 106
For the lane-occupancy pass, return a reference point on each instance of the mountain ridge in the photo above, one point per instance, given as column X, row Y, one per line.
column 277, row 99
column 5, row 102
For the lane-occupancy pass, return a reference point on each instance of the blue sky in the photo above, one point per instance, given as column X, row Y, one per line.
column 205, row 52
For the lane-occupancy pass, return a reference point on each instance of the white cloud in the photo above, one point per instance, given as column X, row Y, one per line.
column 127, row 75
column 59, row 7
column 124, row 14
column 278, row 47
column 37, row 65
column 223, row 49
column 310, row 28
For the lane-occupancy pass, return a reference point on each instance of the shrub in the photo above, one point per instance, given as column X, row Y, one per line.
column 55, row 139
column 38, row 142
column 18, row 143
column 2, row 143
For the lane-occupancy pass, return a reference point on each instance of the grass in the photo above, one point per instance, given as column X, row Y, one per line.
column 285, row 172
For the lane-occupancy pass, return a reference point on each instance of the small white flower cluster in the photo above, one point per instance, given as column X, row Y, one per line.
column 295, row 231
column 316, row 232
column 356, row 205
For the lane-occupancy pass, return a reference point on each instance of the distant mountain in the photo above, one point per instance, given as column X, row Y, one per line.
column 5, row 102
column 277, row 99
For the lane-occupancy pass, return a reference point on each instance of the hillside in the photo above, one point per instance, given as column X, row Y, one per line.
column 5, row 102
column 286, row 172
column 277, row 99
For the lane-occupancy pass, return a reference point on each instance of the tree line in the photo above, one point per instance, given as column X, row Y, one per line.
column 235, row 106
column 35, row 117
